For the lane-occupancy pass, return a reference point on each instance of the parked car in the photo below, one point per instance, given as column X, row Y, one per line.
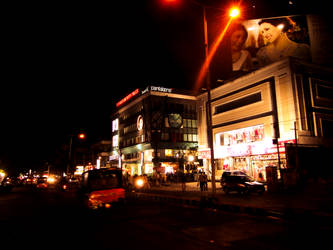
column 71, row 184
column 6, row 185
column 240, row 182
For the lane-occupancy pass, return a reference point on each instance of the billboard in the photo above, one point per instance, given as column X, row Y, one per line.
column 259, row 42
column 252, row 44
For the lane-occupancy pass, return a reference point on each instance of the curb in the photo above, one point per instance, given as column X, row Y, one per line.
column 205, row 202
column 211, row 203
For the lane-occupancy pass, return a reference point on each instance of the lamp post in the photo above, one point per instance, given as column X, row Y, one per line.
column 81, row 136
column 234, row 12
column 205, row 73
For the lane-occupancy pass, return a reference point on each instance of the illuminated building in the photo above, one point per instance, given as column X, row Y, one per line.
column 280, row 115
column 155, row 130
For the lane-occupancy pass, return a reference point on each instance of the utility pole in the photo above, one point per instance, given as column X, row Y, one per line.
column 209, row 109
column 69, row 154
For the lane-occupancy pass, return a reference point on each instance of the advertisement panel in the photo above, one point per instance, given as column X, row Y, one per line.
column 259, row 42
column 251, row 44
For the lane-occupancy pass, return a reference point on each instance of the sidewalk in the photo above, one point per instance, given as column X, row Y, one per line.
column 316, row 201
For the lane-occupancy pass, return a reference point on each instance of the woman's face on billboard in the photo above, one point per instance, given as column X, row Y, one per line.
column 269, row 32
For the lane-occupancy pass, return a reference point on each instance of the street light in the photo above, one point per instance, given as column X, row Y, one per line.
column 234, row 12
column 205, row 73
column 81, row 136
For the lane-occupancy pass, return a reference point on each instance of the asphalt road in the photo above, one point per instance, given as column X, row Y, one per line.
column 50, row 219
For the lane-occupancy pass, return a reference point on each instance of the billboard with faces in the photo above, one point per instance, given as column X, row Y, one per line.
column 252, row 44
column 259, row 42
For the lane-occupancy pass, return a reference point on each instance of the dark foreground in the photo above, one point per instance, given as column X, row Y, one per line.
column 50, row 219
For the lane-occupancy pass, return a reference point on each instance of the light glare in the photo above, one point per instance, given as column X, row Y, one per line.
column 234, row 12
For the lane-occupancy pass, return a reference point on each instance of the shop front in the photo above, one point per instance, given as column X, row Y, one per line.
column 250, row 151
column 251, row 158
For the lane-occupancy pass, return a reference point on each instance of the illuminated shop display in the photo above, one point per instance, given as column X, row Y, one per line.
column 248, row 150
column 245, row 135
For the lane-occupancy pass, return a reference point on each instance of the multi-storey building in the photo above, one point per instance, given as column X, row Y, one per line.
column 155, row 129
column 280, row 115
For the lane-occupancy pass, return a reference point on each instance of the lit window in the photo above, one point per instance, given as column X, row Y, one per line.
column 115, row 141
column 115, row 125
column 168, row 152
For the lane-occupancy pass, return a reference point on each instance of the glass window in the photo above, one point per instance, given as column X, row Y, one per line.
column 195, row 123
column 185, row 123
column 166, row 122
column 185, row 137
column 115, row 125
column 115, row 141
column 165, row 136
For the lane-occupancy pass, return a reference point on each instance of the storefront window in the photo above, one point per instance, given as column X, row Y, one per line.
column 245, row 135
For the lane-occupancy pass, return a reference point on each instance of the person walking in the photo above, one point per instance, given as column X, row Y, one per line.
column 201, row 181
column 205, row 184
column 183, row 181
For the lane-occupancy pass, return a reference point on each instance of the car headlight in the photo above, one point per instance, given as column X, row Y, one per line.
column 139, row 183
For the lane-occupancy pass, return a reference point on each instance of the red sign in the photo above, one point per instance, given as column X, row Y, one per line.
column 204, row 154
column 125, row 99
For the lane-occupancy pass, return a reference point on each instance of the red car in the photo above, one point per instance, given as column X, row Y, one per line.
column 42, row 183
column 102, row 188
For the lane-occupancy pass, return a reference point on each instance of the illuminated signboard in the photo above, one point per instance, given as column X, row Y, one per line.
column 125, row 99
column 161, row 89
column 158, row 89
column 139, row 123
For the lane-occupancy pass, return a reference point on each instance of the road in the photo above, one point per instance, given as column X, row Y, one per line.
column 53, row 219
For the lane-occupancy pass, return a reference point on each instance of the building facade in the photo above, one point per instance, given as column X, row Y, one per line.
column 260, row 118
column 155, row 131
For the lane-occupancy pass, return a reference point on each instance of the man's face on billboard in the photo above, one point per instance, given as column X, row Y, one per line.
column 237, row 40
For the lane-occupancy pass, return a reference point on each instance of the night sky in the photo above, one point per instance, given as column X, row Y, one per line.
column 66, row 65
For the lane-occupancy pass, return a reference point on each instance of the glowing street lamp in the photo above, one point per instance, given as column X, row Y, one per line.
column 234, row 12
column 82, row 136
column 205, row 72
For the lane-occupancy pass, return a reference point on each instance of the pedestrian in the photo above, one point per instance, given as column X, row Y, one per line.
column 130, row 182
column 261, row 177
column 183, row 181
column 205, row 184
column 201, row 181
column 146, row 182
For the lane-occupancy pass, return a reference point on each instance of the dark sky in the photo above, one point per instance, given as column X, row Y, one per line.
column 66, row 65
